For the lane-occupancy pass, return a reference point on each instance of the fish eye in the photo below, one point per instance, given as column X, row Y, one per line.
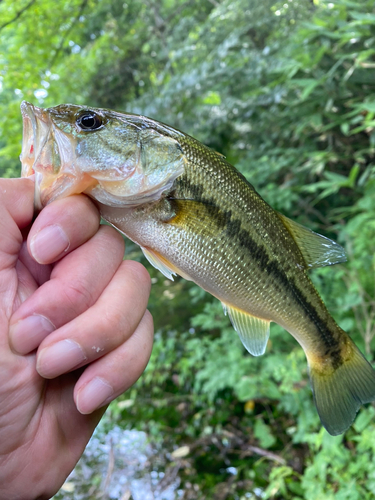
column 89, row 121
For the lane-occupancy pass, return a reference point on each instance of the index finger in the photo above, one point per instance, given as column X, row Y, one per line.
column 61, row 227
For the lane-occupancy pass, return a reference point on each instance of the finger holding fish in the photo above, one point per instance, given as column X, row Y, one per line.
column 75, row 284
column 61, row 227
column 103, row 327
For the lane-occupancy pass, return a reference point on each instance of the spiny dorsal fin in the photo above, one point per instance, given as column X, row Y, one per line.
column 317, row 250
column 219, row 154
column 253, row 332
column 163, row 265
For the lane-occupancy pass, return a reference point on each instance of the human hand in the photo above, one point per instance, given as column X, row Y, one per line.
column 74, row 334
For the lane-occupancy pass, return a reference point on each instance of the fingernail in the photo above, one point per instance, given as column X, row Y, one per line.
column 49, row 244
column 28, row 333
column 93, row 395
column 59, row 358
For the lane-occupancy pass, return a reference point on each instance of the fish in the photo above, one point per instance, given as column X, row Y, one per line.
column 194, row 215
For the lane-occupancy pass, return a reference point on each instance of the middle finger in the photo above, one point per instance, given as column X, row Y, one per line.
column 105, row 326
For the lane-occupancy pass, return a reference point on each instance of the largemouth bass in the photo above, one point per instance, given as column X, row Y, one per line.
column 193, row 214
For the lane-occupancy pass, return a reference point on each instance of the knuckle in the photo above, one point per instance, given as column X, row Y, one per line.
column 113, row 320
column 78, row 296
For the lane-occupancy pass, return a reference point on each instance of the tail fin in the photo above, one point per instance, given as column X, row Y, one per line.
column 339, row 392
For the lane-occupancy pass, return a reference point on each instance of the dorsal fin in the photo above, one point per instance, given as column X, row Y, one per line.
column 253, row 332
column 317, row 250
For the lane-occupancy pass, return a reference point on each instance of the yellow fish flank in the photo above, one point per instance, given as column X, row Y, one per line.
column 195, row 215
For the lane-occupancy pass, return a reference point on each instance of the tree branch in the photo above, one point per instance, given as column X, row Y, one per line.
column 263, row 453
column 76, row 19
column 18, row 15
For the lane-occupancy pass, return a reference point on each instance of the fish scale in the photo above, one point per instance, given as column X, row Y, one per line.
column 195, row 215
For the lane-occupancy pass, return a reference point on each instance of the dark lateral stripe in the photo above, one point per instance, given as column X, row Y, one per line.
column 195, row 191
column 273, row 268
column 270, row 266
column 257, row 252
column 212, row 220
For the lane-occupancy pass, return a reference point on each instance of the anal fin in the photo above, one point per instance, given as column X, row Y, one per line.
column 253, row 332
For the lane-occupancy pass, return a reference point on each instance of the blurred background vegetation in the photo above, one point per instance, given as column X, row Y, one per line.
column 285, row 90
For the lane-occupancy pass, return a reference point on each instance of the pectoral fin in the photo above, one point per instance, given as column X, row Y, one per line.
column 198, row 217
column 163, row 265
column 254, row 332
column 317, row 250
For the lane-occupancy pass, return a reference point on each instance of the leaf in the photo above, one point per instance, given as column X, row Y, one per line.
column 364, row 418
column 263, row 433
column 309, row 89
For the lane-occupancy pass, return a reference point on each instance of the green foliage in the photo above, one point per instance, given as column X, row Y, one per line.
column 286, row 91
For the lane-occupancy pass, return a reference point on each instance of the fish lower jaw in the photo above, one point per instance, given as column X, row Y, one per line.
column 37, row 198
column 27, row 167
column 27, row 172
column 49, row 188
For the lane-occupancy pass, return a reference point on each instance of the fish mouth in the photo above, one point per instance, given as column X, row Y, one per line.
column 49, row 153
column 36, row 126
